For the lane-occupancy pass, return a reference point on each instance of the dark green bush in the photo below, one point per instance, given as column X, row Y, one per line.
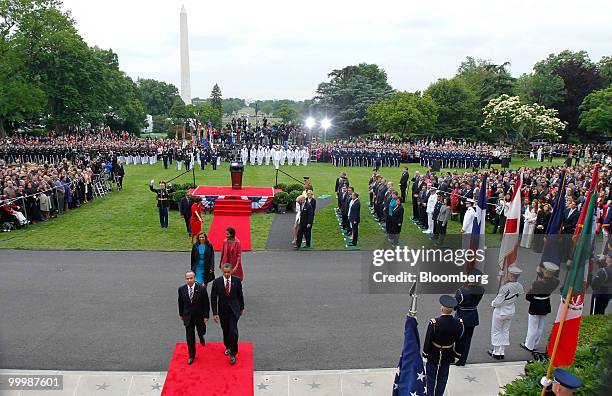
column 177, row 195
column 281, row 197
column 295, row 187
column 282, row 186
column 591, row 364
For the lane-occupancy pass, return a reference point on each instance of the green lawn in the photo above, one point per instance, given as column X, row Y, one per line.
column 128, row 220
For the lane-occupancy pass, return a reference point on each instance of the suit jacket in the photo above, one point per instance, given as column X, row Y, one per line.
column 306, row 215
column 313, row 203
column 570, row 221
column 221, row 301
column 355, row 212
column 185, row 207
column 404, row 180
column 196, row 310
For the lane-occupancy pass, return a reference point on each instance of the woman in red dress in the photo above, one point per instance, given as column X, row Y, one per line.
column 232, row 253
column 455, row 198
column 196, row 217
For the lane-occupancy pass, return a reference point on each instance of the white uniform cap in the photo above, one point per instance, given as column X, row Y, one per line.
column 552, row 267
column 515, row 270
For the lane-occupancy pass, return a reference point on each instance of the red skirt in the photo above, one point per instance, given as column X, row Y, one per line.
column 196, row 226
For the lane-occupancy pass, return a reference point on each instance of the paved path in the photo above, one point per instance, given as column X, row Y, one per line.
column 305, row 310
column 471, row 380
column 281, row 232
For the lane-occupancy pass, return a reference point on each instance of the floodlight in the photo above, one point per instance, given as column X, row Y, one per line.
column 310, row 122
column 325, row 123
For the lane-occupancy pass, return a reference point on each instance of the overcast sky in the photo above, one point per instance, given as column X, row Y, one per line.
column 271, row 49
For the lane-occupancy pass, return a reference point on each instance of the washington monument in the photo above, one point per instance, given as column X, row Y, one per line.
column 185, row 75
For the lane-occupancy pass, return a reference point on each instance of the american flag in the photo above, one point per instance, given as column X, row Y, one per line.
column 410, row 379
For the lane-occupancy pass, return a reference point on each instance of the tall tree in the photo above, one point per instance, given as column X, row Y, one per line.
column 157, row 96
column 404, row 112
column 596, row 113
column 215, row 98
column 487, row 79
column 207, row 112
column 348, row 94
column 286, row 112
column 458, row 108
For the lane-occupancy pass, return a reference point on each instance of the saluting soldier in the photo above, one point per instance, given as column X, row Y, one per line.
column 162, row 202
column 539, row 304
column 439, row 347
column 468, row 297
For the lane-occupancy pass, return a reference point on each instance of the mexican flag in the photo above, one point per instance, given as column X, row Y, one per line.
column 575, row 283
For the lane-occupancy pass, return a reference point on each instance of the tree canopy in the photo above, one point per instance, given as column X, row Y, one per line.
column 404, row 112
column 596, row 112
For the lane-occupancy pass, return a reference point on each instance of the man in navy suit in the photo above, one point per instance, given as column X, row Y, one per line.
column 194, row 309
column 305, row 222
column 354, row 211
column 227, row 306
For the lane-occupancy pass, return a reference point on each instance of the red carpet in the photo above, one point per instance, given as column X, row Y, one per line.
column 229, row 191
column 210, row 374
column 231, row 213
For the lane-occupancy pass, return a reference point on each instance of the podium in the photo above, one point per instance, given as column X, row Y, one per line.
column 236, row 171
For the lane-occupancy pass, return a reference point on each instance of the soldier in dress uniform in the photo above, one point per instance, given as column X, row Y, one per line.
column 439, row 346
column 539, row 304
column 564, row 383
column 163, row 202
column 503, row 312
column 468, row 297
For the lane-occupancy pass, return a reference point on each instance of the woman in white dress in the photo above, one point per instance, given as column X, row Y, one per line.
column 530, row 216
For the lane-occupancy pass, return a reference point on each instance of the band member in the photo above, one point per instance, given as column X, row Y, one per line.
column 162, row 202
column 539, row 304
column 194, row 309
column 227, row 306
column 439, row 346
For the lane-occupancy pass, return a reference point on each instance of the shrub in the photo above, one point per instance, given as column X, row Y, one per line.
column 177, row 195
column 281, row 198
column 293, row 196
column 591, row 364
column 282, row 186
column 295, row 187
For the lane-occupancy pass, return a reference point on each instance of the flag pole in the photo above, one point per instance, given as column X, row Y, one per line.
column 558, row 337
column 413, row 303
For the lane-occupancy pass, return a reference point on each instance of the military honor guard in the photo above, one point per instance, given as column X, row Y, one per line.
column 563, row 383
column 539, row 304
column 503, row 312
column 439, row 347
column 163, row 202
column 468, row 297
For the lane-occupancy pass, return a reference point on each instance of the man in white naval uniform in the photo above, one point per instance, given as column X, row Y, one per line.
column 267, row 155
column 244, row 155
column 260, row 155
column 431, row 204
column 503, row 312
column 276, row 157
column 252, row 155
column 468, row 218
column 290, row 156
column 283, row 156
column 305, row 156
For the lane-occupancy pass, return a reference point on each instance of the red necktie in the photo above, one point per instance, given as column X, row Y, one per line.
column 227, row 287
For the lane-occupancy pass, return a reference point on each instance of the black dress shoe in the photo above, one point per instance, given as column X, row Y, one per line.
column 202, row 341
column 232, row 359
column 227, row 352
column 459, row 364
column 190, row 360
column 522, row 345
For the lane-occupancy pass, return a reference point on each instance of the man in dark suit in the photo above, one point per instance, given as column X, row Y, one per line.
column 416, row 188
column 570, row 218
column 305, row 222
column 340, row 182
column 404, row 183
column 354, row 212
column 194, row 309
column 227, row 306
column 185, row 210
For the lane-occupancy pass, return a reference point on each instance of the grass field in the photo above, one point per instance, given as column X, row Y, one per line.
column 128, row 220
